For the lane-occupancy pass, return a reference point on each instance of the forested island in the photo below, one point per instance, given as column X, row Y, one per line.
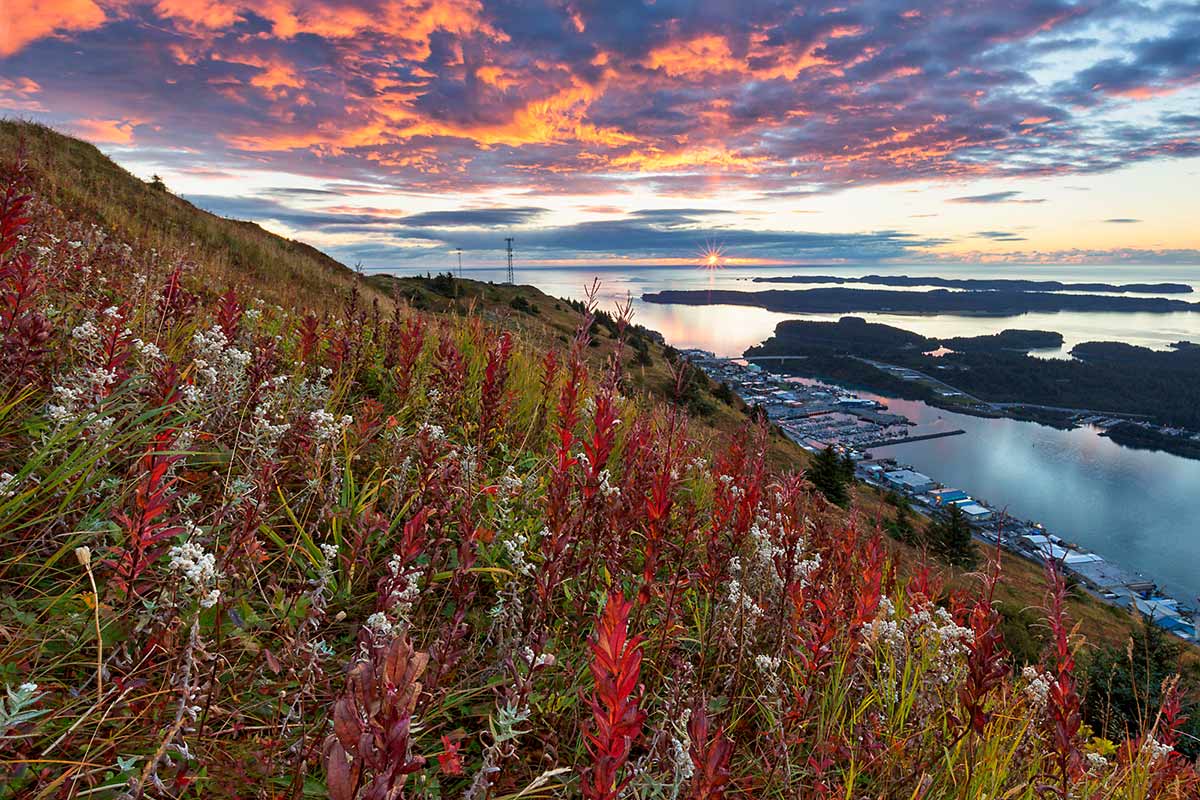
column 1002, row 284
column 935, row 301
column 1158, row 386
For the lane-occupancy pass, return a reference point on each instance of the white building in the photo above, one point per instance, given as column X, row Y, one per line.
column 908, row 481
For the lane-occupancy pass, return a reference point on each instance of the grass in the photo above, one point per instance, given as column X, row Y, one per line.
column 256, row 548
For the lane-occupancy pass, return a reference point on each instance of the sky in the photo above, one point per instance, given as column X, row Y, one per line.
column 391, row 132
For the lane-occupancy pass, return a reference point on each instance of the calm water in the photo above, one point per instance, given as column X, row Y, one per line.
column 729, row 330
column 1137, row 508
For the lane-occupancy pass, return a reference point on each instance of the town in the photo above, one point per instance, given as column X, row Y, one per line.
column 817, row 415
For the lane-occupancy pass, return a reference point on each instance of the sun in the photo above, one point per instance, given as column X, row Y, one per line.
column 712, row 256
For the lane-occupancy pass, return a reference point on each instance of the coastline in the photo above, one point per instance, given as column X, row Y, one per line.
column 1108, row 581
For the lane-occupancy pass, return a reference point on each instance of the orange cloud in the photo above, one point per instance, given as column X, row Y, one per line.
column 20, row 95
column 25, row 21
column 408, row 23
column 105, row 131
column 700, row 56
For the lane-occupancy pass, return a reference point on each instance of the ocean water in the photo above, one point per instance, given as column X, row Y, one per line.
column 729, row 330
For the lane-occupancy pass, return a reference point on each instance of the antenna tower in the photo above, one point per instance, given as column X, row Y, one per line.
column 460, row 263
column 508, row 240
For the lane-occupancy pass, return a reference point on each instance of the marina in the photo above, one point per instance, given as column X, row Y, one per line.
column 817, row 415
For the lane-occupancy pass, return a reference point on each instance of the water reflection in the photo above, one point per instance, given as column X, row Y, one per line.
column 1137, row 508
column 729, row 330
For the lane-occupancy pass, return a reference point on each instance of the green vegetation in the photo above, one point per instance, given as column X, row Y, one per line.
column 949, row 538
column 832, row 475
column 1125, row 684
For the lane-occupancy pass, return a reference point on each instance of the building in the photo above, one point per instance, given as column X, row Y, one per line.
column 906, row 480
column 946, row 496
column 1177, row 626
column 975, row 512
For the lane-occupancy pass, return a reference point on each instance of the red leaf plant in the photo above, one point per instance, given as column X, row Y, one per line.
column 987, row 660
column 1064, row 718
column 369, row 754
column 24, row 330
column 149, row 525
column 494, row 398
column 710, row 757
column 616, row 719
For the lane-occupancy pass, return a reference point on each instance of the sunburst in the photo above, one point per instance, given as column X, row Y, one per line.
column 712, row 255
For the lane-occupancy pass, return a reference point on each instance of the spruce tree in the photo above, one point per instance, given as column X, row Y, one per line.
column 950, row 538
column 829, row 476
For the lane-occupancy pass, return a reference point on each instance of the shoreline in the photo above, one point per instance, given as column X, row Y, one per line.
column 819, row 420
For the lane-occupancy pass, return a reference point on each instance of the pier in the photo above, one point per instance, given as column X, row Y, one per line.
column 904, row 439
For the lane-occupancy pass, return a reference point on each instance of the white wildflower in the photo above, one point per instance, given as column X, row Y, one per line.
column 199, row 571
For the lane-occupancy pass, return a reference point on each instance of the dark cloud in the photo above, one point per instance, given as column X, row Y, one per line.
column 991, row 197
column 1122, row 220
column 472, row 218
column 1000, row 236
column 1154, row 65
column 624, row 238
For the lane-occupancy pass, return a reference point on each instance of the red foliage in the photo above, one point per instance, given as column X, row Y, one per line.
column 710, row 757
column 1064, row 715
column 174, row 301
column 494, row 399
column 229, row 314
column 24, row 330
column 310, row 338
column 987, row 660
column 148, row 527
column 616, row 719
column 368, row 756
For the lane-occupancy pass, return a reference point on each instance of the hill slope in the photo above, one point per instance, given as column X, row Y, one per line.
column 248, row 550
column 87, row 186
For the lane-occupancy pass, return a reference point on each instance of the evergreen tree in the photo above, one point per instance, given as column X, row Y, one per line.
column 828, row 474
column 847, row 468
column 901, row 527
column 950, row 538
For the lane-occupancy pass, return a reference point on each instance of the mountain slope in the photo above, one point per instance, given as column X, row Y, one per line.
column 89, row 187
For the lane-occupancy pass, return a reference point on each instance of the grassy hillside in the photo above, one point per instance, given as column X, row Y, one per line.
column 82, row 182
column 446, row 546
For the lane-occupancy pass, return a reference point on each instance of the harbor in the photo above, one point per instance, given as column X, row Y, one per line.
column 817, row 415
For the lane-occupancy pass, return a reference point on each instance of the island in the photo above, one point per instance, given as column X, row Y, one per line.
column 1002, row 284
column 1140, row 397
column 935, row 301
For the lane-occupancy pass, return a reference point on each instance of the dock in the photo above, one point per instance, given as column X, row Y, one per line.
column 905, row 439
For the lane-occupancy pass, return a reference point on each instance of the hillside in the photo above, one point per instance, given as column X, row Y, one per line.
column 90, row 188
column 261, row 542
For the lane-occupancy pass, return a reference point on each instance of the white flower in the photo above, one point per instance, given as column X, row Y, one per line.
column 379, row 625
column 606, row 489
column 199, row 571
column 327, row 427
column 435, row 432
column 1037, row 686
column 8, row 485
column 1155, row 749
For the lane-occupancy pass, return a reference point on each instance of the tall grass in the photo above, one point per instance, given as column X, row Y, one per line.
column 251, row 551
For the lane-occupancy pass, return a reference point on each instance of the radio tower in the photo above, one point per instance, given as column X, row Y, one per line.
column 509, row 241
column 459, row 263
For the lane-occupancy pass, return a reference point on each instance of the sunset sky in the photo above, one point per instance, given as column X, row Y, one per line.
column 391, row 131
